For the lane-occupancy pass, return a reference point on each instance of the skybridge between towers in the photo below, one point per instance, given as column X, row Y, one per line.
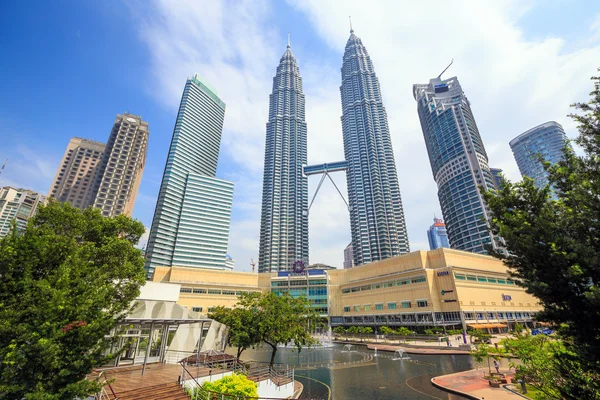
column 324, row 170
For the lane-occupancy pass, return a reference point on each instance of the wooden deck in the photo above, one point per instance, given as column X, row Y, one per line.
column 131, row 378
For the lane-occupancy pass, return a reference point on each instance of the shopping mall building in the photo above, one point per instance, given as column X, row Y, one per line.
column 422, row 289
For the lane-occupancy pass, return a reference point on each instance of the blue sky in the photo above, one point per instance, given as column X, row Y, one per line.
column 68, row 67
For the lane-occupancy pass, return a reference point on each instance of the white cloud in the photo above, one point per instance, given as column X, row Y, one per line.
column 513, row 83
column 29, row 168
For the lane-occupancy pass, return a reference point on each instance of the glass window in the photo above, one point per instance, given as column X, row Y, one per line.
column 460, row 277
column 406, row 304
column 356, row 308
column 214, row 291
column 471, row 278
column 482, row 279
column 501, row 281
column 509, row 282
column 421, row 303
column 367, row 307
column 197, row 309
column 491, row 280
column 185, row 290
column 346, row 308
column 345, row 290
column 379, row 306
column 199, row 291
column 391, row 306
column 229, row 292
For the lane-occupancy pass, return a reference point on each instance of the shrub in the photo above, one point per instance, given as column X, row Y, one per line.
column 236, row 384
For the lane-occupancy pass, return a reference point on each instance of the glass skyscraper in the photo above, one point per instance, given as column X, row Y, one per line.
column 458, row 161
column 190, row 227
column 437, row 235
column 376, row 213
column 548, row 140
column 497, row 175
column 284, row 217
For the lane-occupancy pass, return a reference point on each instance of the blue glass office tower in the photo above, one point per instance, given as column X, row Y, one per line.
column 548, row 140
column 191, row 221
column 284, row 216
column 497, row 175
column 458, row 161
column 437, row 235
column 376, row 213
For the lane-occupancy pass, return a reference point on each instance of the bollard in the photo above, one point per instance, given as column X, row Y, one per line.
column 523, row 387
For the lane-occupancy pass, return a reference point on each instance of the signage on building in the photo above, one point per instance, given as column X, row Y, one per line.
column 450, row 301
column 446, row 291
column 506, row 297
column 443, row 273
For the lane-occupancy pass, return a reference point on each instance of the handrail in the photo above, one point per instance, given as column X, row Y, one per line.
column 211, row 395
column 101, row 395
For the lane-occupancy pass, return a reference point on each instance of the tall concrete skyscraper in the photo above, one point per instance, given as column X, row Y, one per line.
column 105, row 176
column 119, row 173
column 437, row 235
column 376, row 213
column 74, row 179
column 284, row 216
column 191, row 221
column 458, row 161
column 548, row 140
column 17, row 205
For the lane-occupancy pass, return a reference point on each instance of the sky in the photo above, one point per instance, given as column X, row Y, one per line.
column 68, row 67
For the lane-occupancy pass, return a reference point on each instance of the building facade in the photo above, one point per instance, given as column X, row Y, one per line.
column 17, row 205
column 376, row 214
column 348, row 257
column 547, row 140
column 458, row 161
column 229, row 263
column 190, row 227
column 497, row 175
column 284, row 215
column 119, row 172
column 74, row 179
column 442, row 287
column 437, row 235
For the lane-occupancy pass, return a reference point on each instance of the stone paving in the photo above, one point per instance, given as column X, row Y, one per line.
column 472, row 385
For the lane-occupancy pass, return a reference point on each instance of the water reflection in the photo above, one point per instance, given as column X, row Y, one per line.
column 358, row 375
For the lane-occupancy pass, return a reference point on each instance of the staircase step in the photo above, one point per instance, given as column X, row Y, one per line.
column 168, row 391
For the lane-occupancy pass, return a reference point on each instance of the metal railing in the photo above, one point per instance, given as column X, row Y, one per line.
column 103, row 394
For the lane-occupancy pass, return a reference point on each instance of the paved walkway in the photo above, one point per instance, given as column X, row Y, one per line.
column 413, row 350
column 472, row 385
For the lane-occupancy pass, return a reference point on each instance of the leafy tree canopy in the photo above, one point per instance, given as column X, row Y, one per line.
column 553, row 238
column 274, row 320
column 63, row 281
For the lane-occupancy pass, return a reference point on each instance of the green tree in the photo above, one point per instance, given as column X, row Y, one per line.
column 367, row 330
column 233, row 385
column 244, row 332
column 64, row 284
column 386, row 330
column 339, row 330
column 403, row 331
column 553, row 238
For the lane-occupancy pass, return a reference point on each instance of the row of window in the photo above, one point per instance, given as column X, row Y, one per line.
column 386, row 284
column 483, row 279
column 312, row 282
column 390, row 306
column 225, row 292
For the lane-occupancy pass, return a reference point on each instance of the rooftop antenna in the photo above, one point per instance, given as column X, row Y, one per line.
column 440, row 75
column 288, row 40
column 3, row 165
column 351, row 30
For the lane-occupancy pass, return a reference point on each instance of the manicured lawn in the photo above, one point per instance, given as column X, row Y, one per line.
column 531, row 391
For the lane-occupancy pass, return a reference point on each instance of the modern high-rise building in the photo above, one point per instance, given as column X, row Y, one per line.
column 74, row 179
column 191, row 221
column 119, row 173
column 458, row 161
column 17, row 205
column 284, row 216
column 437, row 235
column 376, row 214
column 547, row 140
column 497, row 175
column 348, row 257
column 229, row 263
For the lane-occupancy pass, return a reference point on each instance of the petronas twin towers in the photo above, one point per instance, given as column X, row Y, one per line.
column 376, row 214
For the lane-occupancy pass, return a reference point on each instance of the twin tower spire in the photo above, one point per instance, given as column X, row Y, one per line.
column 376, row 214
